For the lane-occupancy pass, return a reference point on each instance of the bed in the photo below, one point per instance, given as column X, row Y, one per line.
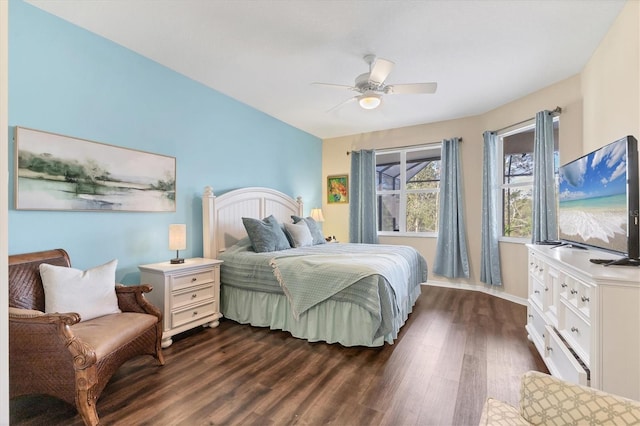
column 351, row 294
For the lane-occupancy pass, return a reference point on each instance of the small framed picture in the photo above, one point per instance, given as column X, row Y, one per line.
column 338, row 189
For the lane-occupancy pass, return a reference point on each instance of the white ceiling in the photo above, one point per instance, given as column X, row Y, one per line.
column 482, row 53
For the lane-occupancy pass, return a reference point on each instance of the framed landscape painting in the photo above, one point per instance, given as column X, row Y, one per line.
column 337, row 189
column 57, row 172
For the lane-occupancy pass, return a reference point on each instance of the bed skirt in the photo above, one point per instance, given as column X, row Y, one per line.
column 330, row 321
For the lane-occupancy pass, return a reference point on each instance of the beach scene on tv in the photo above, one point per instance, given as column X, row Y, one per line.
column 593, row 200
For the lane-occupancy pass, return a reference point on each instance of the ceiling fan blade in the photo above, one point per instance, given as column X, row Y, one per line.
column 341, row 104
column 411, row 88
column 338, row 86
column 380, row 71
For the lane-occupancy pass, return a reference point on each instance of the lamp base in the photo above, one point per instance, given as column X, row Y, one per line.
column 177, row 260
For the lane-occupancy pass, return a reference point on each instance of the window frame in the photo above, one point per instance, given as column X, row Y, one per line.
column 403, row 191
column 500, row 185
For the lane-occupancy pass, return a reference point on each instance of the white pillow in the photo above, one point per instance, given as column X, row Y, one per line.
column 299, row 234
column 90, row 293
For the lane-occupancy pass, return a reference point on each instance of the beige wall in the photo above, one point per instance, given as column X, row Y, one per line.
column 592, row 94
column 611, row 83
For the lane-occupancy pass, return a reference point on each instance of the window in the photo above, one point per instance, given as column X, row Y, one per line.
column 407, row 187
column 516, row 178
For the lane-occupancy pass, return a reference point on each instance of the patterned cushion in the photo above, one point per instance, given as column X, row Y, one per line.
column 545, row 400
column 498, row 413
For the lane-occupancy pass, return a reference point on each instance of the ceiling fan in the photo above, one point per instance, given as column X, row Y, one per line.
column 371, row 85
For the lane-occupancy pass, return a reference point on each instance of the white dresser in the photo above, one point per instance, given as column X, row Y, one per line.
column 188, row 294
column 584, row 318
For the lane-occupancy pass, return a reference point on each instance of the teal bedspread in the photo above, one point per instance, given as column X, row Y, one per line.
column 376, row 277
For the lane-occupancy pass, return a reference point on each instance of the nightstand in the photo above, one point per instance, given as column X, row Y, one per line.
column 188, row 294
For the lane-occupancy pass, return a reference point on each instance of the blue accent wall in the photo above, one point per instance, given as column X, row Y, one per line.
column 64, row 79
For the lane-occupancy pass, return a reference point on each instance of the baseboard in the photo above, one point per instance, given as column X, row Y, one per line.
column 482, row 288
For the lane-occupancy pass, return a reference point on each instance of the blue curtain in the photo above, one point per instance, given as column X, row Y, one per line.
column 362, row 204
column 489, row 251
column 544, row 187
column 451, row 250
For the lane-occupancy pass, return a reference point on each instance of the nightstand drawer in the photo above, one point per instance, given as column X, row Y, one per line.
column 193, row 313
column 182, row 281
column 192, row 295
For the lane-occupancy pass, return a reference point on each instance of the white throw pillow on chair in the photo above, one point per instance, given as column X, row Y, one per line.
column 90, row 293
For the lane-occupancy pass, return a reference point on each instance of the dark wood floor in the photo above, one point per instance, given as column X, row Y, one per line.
column 457, row 348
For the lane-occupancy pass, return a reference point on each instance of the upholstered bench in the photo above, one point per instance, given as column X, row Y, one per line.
column 67, row 356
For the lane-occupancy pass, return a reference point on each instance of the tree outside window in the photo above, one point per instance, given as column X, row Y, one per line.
column 408, row 186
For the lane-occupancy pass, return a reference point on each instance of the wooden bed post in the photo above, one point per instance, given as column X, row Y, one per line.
column 208, row 223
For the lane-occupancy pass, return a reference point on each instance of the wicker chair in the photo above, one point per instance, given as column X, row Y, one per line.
column 57, row 355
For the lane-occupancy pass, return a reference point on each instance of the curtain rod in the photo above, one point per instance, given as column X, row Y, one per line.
column 404, row 147
column 556, row 111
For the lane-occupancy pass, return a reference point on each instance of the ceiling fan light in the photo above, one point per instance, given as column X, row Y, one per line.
column 370, row 100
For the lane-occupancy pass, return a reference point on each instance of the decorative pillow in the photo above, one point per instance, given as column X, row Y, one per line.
column 90, row 293
column 299, row 234
column 266, row 234
column 316, row 232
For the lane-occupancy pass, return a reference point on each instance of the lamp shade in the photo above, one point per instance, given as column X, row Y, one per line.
column 177, row 236
column 316, row 214
column 369, row 100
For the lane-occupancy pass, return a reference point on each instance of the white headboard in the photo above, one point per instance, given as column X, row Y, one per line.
column 222, row 216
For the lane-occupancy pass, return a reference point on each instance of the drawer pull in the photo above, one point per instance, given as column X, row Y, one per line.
column 584, row 299
column 195, row 313
column 194, row 279
column 574, row 329
column 194, row 295
column 536, row 291
column 573, row 291
column 549, row 349
column 563, row 285
column 546, row 289
column 530, row 315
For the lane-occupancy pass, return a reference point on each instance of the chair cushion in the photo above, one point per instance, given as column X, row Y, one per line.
column 90, row 293
column 498, row 413
column 547, row 400
column 109, row 332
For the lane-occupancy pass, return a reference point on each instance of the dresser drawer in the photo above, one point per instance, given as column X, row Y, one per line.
column 561, row 361
column 537, row 293
column 191, row 295
column 192, row 313
column 196, row 278
column 577, row 332
column 536, row 327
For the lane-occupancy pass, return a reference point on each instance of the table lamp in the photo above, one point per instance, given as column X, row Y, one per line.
column 177, row 240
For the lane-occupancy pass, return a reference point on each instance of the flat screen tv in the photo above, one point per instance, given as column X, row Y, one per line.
column 598, row 200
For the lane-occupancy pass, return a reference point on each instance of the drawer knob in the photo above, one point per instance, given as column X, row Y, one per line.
column 546, row 289
column 194, row 279
column 530, row 316
column 549, row 349
column 563, row 285
column 194, row 295
column 536, row 291
column 195, row 313
column 574, row 329
column 573, row 291
column 584, row 299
